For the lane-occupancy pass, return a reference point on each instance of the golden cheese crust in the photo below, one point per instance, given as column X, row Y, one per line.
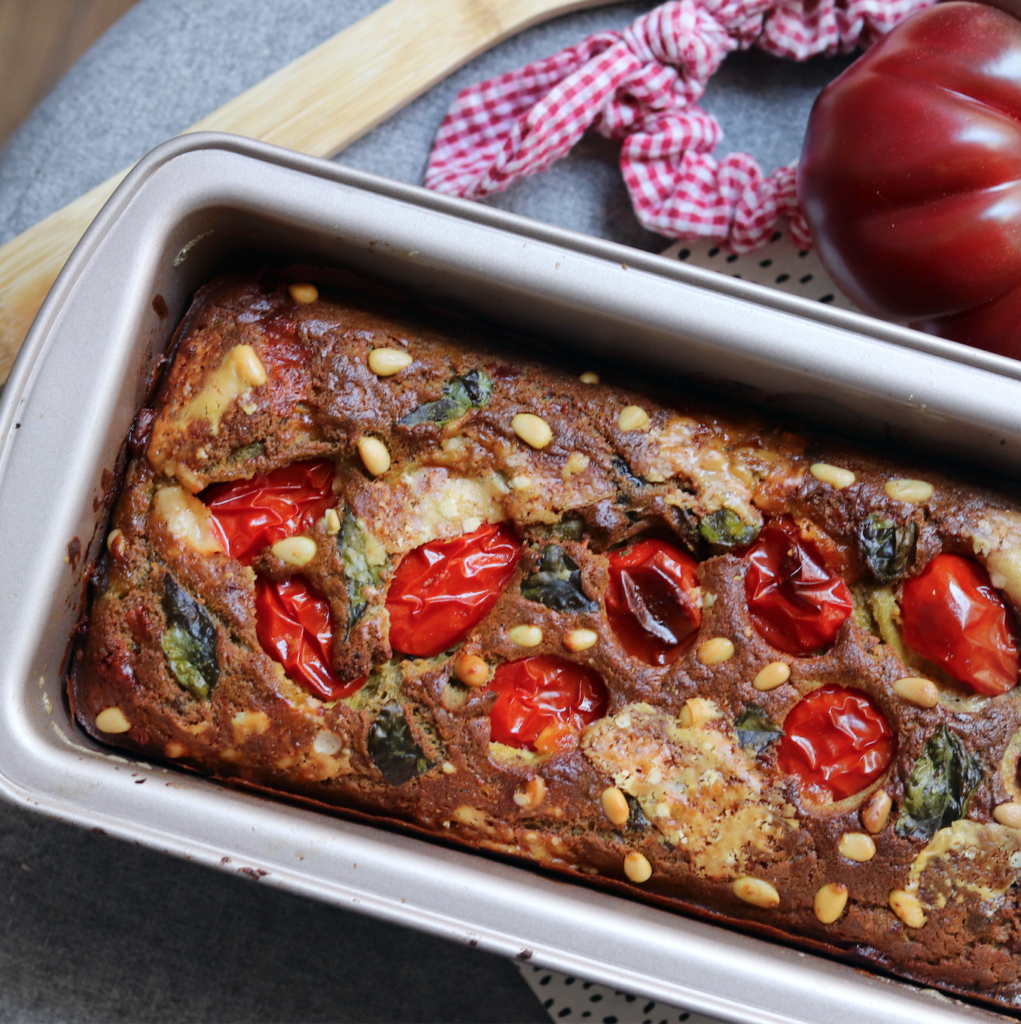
column 259, row 381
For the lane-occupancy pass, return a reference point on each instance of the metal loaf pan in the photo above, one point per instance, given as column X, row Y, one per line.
column 184, row 213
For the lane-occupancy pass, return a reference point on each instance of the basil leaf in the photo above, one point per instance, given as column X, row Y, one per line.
column 557, row 583
column 939, row 787
column 636, row 821
column 358, row 571
column 755, row 729
column 571, row 527
column 189, row 640
column 724, row 528
column 393, row 749
column 624, row 472
column 473, row 390
column 888, row 548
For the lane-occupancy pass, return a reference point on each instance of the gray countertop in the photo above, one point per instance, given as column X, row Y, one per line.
column 95, row 929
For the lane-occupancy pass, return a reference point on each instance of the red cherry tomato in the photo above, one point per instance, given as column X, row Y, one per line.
column 295, row 628
column 837, row 742
column 250, row 515
column 909, row 176
column 954, row 617
column 543, row 703
column 794, row 601
column 445, row 588
column 652, row 601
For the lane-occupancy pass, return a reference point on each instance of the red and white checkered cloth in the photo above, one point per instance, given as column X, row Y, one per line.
column 641, row 87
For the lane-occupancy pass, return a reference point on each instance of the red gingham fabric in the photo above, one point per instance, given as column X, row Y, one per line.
column 641, row 87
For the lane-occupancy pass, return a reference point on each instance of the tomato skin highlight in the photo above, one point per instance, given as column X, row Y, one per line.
column 837, row 742
column 295, row 628
column 546, row 697
column 251, row 515
column 793, row 599
column 653, row 603
column 445, row 588
column 953, row 616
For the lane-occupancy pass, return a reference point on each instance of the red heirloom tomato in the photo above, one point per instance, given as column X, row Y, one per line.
column 837, row 742
column 250, row 515
column 445, row 588
column 295, row 628
column 543, row 702
column 954, row 617
column 910, row 176
column 652, row 601
column 794, row 601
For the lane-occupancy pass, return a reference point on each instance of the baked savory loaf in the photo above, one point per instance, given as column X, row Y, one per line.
column 372, row 557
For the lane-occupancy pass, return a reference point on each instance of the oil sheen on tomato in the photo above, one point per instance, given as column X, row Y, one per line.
column 445, row 588
column 295, row 628
column 251, row 515
column 543, row 703
column 653, row 602
column 796, row 603
column 953, row 616
column 837, row 742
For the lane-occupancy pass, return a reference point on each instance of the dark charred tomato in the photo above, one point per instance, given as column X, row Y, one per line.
column 837, row 742
column 295, row 628
column 652, row 601
column 445, row 588
column 796, row 603
column 250, row 515
column 954, row 617
column 543, row 703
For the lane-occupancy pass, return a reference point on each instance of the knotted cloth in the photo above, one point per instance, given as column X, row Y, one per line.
column 641, row 87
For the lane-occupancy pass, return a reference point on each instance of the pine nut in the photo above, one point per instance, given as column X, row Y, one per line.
column 615, row 806
column 471, row 670
column 112, row 720
column 912, row 491
column 248, row 366
column 332, row 522
column 533, row 794
column 303, row 293
column 712, row 652
column 1008, row 814
column 633, row 417
column 637, row 867
column 588, row 377
column 448, row 769
column 533, row 430
column 296, row 551
column 907, row 908
column 581, row 639
column 917, row 691
column 756, row 891
column 375, row 456
column 111, row 538
column 830, row 901
column 857, row 846
column 525, row 636
column 775, row 674
column 875, row 812
column 832, row 475
column 385, row 362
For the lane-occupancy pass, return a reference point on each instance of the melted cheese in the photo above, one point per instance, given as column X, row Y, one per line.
column 996, row 538
column 187, row 519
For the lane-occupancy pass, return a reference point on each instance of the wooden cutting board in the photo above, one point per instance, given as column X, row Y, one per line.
column 318, row 104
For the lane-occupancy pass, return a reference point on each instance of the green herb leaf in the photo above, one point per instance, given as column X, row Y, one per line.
column 888, row 548
column 359, row 573
column 393, row 749
column 571, row 527
column 557, row 583
column 625, row 474
column 636, row 820
column 473, row 390
column 755, row 729
column 725, row 529
column 189, row 640
column 939, row 787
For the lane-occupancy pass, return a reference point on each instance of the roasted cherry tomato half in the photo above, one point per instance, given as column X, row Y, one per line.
column 250, row 515
column 543, row 703
column 445, row 588
column 653, row 603
column 793, row 599
column 837, row 742
column 295, row 628
column 954, row 617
